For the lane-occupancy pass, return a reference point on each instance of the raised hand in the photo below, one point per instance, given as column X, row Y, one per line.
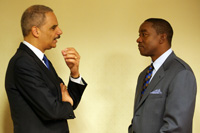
column 72, row 59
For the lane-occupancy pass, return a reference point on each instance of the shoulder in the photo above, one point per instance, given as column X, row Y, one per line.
column 176, row 64
column 22, row 60
column 182, row 63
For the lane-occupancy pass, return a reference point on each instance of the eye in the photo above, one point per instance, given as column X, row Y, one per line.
column 145, row 34
column 53, row 27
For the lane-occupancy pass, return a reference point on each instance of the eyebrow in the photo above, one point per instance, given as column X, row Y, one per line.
column 53, row 27
column 143, row 30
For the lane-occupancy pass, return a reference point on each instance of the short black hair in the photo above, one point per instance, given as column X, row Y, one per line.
column 162, row 26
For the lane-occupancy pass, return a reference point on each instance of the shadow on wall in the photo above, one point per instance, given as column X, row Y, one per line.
column 7, row 121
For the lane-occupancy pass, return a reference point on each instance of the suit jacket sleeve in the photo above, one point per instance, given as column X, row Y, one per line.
column 76, row 90
column 35, row 90
column 180, row 103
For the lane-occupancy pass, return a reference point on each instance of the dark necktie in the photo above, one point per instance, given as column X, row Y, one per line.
column 46, row 61
column 147, row 79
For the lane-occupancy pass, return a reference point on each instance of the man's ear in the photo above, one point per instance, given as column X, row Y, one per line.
column 163, row 38
column 35, row 31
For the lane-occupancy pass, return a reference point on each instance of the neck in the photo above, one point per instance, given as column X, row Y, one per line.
column 34, row 42
column 161, row 50
column 156, row 56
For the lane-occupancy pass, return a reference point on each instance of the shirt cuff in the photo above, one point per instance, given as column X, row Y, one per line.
column 77, row 80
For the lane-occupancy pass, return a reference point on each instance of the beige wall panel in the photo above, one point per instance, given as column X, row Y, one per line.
column 104, row 32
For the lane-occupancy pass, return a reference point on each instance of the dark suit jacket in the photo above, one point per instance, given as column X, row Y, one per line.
column 35, row 97
column 168, row 103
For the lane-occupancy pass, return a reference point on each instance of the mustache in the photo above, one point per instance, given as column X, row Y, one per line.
column 57, row 37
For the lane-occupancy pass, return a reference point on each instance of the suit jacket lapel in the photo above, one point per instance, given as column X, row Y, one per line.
column 49, row 73
column 53, row 72
column 155, row 80
column 139, row 88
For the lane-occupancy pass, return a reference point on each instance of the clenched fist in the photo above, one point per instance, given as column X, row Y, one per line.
column 72, row 59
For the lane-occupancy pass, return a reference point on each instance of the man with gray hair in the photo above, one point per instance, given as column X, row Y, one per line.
column 39, row 100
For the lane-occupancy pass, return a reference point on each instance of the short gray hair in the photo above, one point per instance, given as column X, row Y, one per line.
column 33, row 16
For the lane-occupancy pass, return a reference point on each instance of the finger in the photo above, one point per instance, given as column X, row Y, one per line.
column 63, row 87
column 61, row 84
column 71, row 51
column 71, row 57
column 70, row 48
column 63, row 52
column 71, row 61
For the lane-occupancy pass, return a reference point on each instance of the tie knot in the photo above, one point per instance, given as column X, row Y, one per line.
column 151, row 67
column 45, row 58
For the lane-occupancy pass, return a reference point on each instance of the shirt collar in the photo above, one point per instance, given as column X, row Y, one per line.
column 158, row 62
column 35, row 50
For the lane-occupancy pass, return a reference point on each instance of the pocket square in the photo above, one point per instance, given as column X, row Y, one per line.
column 157, row 91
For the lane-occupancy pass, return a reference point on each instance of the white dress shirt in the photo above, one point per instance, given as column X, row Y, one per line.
column 158, row 62
column 40, row 55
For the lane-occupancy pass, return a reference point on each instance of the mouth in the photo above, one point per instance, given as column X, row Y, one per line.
column 57, row 37
column 139, row 45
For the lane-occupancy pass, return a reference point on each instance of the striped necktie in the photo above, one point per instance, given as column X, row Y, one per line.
column 147, row 79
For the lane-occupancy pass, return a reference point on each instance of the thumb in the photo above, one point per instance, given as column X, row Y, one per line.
column 63, row 52
column 62, row 86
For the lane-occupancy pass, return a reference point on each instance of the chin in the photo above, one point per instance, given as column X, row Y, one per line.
column 143, row 54
column 53, row 45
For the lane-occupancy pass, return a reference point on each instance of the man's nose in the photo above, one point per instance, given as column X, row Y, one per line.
column 139, row 39
column 59, row 31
